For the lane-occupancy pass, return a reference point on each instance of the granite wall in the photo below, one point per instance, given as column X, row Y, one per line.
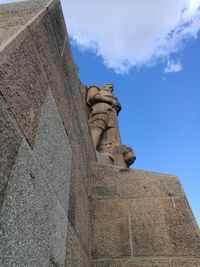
column 45, row 142
column 140, row 218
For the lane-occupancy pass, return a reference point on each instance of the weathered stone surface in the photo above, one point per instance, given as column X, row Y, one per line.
column 160, row 222
column 113, row 263
column 80, row 123
column 23, row 89
column 104, row 108
column 148, row 228
column 118, row 182
column 182, row 228
column 110, row 235
column 53, row 151
column 76, row 256
column 185, row 262
column 148, row 262
column 33, row 222
column 14, row 16
column 10, row 141
column 78, row 206
column 45, row 41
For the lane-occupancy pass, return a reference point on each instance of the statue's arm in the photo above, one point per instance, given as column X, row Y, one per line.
column 95, row 97
column 99, row 99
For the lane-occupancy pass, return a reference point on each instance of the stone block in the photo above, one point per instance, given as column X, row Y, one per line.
column 53, row 151
column 185, row 262
column 10, row 141
column 147, row 262
column 182, row 228
column 163, row 227
column 148, row 228
column 110, row 235
column 110, row 181
column 78, row 206
column 33, row 223
column 113, row 263
column 23, row 88
column 76, row 256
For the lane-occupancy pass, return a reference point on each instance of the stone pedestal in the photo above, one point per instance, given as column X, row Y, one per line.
column 140, row 218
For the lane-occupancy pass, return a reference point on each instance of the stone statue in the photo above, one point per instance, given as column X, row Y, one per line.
column 103, row 111
column 104, row 108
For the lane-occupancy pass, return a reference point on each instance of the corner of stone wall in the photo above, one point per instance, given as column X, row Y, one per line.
column 45, row 142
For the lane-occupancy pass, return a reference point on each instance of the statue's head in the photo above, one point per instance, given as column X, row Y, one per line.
column 108, row 87
column 129, row 155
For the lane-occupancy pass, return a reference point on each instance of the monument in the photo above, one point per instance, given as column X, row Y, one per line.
column 67, row 194
column 104, row 108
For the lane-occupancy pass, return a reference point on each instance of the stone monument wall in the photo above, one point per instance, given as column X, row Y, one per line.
column 140, row 219
column 44, row 141
column 59, row 206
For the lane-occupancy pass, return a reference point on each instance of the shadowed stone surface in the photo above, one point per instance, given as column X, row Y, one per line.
column 53, row 151
column 109, row 229
column 78, row 206
column 10, row 141
column 23, row 89
column 76, row 256
column 31, row 217
column 80, row 124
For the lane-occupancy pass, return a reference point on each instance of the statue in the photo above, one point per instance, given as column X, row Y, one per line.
column 103, row 111
column 104, row 108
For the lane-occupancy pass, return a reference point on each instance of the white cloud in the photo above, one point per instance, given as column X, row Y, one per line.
column 132, row 33
column 173, row 66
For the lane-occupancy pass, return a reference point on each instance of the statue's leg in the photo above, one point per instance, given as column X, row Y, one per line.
column 96, row 133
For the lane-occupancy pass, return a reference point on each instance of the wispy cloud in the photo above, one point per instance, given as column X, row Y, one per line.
column 173, row 66
column 127, row 33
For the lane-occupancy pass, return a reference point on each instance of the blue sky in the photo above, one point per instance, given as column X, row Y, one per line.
column 151, row 54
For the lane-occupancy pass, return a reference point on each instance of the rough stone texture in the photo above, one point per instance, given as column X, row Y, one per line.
column 33, row 222
column 107, row 182
column 23, row 89
column 76, row 256
column 80, row 124
column 78, row 206
column 55, row 157
column 149, row 231
column 167, row 262
column 14, row 16
column 44, row 36
column 10, row 141
column 153, row 214
column 109, row 229
column 32, row 60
